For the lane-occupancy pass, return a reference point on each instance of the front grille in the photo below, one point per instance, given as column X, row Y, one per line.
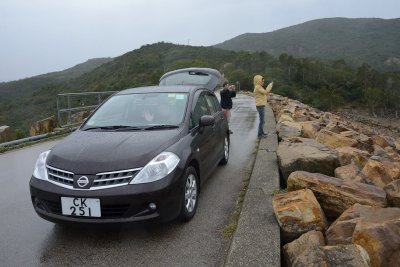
column 60, row 176
column 114, row 178
column 101, row 181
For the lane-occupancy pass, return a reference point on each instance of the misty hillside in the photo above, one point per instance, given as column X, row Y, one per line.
column 23, row 86
column 369, row 40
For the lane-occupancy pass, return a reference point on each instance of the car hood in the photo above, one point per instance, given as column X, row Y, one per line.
column 90, row 152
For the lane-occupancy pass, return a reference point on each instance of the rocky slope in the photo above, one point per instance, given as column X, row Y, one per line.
column 342, row 201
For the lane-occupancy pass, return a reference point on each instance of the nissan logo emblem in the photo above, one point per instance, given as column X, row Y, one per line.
column 82, row 181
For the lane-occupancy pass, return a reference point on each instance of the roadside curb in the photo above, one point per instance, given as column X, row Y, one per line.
column 256, row 241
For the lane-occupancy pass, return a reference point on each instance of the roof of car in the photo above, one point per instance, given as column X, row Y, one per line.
column 205, row 70
column 161, row 89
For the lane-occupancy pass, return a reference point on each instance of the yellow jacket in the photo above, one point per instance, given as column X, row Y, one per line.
column 260, row 94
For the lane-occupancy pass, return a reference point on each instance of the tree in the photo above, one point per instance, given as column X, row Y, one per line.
column 373, row 97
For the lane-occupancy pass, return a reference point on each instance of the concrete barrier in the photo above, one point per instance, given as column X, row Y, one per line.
column 256, row 241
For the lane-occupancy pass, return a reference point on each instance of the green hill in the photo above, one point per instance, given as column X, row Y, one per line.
column 325, row 85
column 369, row 40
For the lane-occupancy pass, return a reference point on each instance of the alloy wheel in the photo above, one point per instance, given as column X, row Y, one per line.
column 190, row 193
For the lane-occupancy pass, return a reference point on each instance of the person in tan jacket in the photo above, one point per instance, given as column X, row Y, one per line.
column 260, row 96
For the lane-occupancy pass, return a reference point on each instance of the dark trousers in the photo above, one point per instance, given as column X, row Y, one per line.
column 261, row 113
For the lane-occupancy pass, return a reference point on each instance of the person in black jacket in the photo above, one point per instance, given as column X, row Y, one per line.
column 227, row 93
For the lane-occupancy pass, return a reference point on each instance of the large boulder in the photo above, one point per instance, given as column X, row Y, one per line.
column 306, row 155
column 80, row 116
column 333, row 256
column 6, row 134
column 338, row 127
column 336, row 195
column 386, row 154
column 348, row 172
column 309, row 129
column 41, row 127
column 288, row 129
column 285, row 117
column 381, row 173
column 364, row 142
column 383, row 141
column 397, row 144
column 309, row 240
column 375, row 229
column 297, row 213
column 334, row 140
column 301, row 114
column 348, row 155
column 393, row 193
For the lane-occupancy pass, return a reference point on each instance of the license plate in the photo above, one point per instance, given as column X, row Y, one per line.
column 79, row 206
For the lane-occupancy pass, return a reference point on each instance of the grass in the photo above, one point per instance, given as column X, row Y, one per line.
column 230, row 228
column 279, row 191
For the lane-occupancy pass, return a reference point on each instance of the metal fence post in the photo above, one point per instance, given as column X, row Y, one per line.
column 58, row 111
column 69, row 108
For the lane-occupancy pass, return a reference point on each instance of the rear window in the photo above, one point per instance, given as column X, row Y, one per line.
column 187, row 78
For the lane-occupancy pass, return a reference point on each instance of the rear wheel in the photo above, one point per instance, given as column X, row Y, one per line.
column 225, row 158
column 190, row 194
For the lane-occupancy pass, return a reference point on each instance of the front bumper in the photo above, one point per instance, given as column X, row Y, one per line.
column 127, row 203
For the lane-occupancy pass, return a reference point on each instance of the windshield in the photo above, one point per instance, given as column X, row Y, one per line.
column 139, row 111
column 187, row 78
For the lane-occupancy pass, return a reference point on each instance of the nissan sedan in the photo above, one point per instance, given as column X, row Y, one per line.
column 142, row 155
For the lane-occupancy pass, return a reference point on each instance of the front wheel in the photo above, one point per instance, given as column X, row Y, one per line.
column 225, row 158
column 190, row 194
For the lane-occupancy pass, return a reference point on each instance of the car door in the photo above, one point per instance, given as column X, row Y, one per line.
column 204, row 137
column 218, row 127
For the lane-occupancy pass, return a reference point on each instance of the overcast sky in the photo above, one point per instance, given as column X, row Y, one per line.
column 41, row 36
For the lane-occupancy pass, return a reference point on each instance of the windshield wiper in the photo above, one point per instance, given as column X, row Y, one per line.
column 128, row 128
column 115, row 128
column 161, row 126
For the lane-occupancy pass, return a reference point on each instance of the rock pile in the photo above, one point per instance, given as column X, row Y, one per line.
column 44, row 126
column 342, row 205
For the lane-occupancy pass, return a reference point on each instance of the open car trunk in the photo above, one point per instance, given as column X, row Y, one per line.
column 209, row 78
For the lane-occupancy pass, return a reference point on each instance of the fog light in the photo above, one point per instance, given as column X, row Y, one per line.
column 152, row 206
column 39, row 204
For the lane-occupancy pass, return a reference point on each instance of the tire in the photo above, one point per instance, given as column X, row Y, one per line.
column 225, row 158
column 190, row 195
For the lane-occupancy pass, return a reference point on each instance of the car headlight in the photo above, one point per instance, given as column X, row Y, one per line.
column 40, row 171
column 157, row 168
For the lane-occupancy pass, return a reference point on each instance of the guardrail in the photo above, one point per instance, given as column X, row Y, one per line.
column 76, row 102
column 30, row 139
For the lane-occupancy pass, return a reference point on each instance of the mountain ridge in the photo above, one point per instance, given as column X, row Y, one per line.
column 374, row 41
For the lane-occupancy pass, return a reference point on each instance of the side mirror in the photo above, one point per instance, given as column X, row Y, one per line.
column 206, row 120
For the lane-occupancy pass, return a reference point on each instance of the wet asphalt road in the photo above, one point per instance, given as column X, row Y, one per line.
column 28, row 240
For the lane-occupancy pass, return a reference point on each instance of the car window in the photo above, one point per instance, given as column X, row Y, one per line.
column 217, row 104
column 201, row 108
column 214, row 108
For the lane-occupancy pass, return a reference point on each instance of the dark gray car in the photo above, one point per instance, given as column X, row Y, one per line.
column 142, row 155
